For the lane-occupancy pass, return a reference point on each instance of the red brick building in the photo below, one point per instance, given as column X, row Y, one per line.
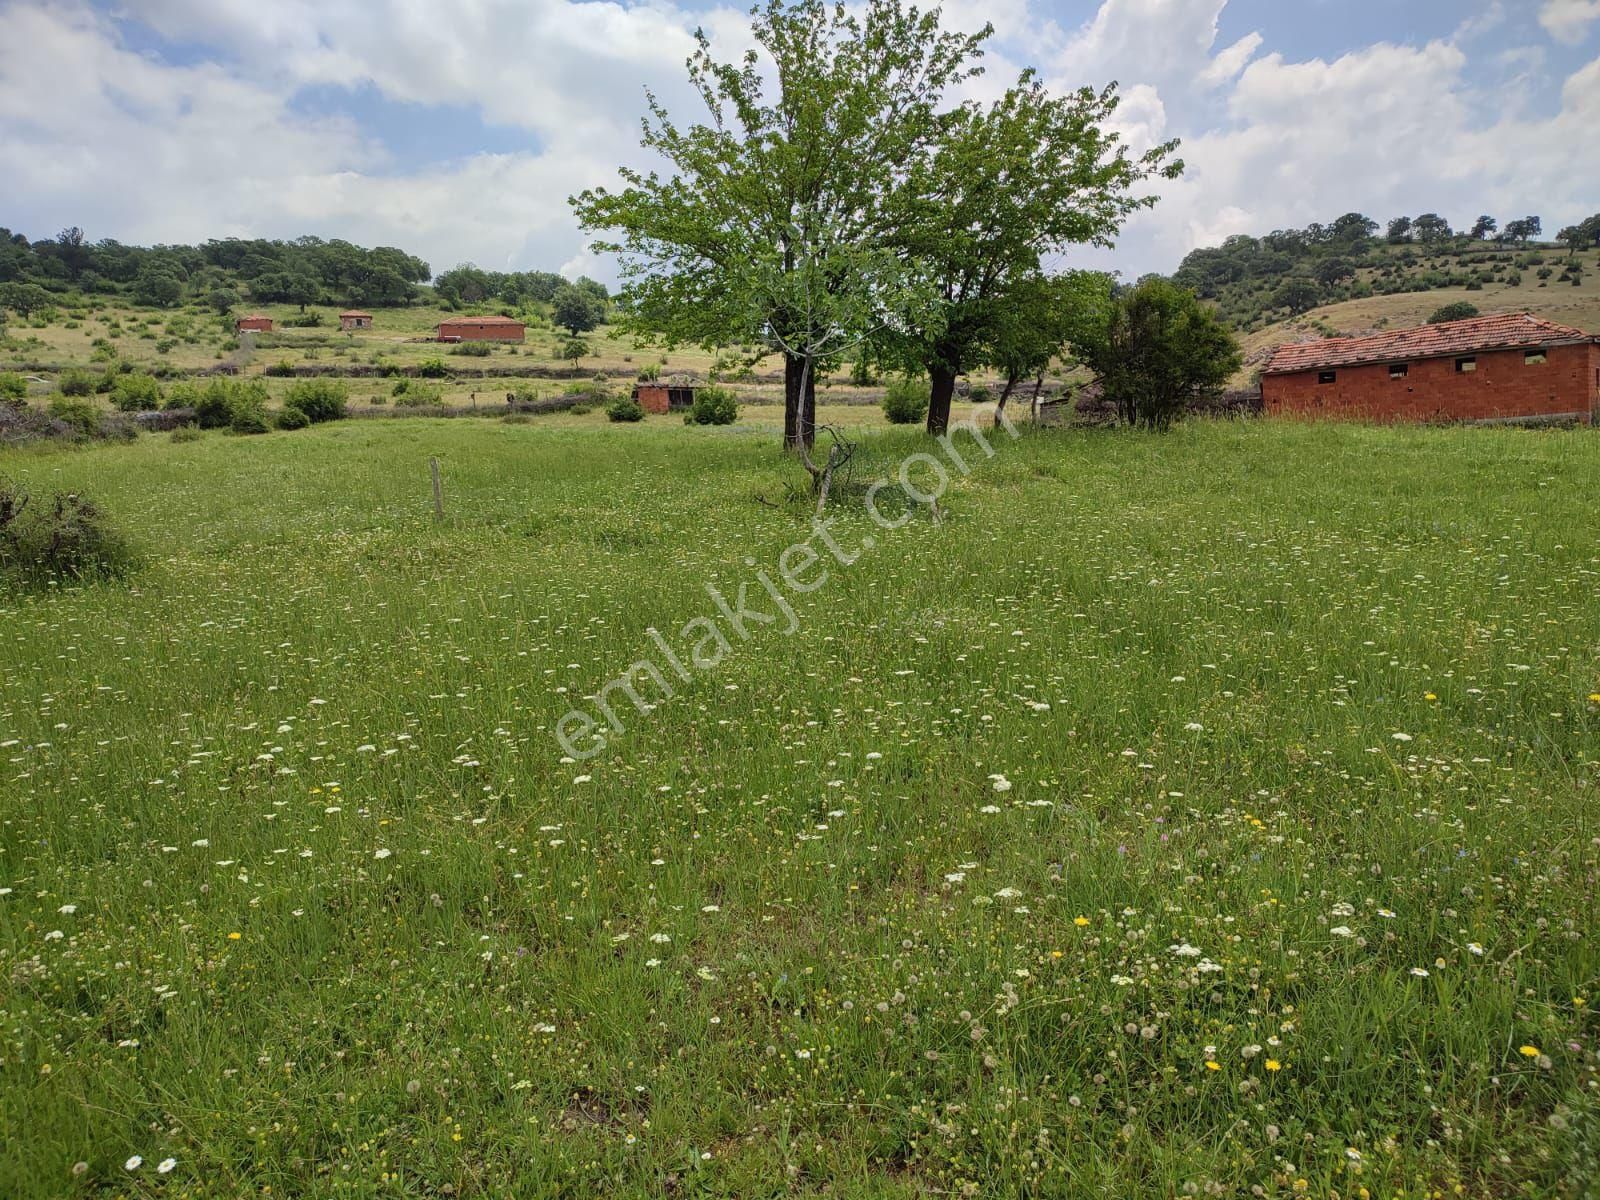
column 663, row 397
column 254, row 323
column 481, row 329
column 354, row 318
column 1515, row 367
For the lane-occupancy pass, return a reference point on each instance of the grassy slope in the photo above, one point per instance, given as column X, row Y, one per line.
column 1190, row 657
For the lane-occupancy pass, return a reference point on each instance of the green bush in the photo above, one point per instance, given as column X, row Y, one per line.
column 625, row 409
column 712, row 406
column 1461, row 310
column 283, row 369
column 13, row 388
column 77, row 382
column 221, row 401
column 473, row 350
column 905, row 402
column 186, row 433
column 420, row 395
column 182, row 394
column 248, row 424
column 432, row 368
column 83, row 415
column 293, row 418
column 320, row 399
column 135, row 393
column 979, row 394
column 66, row 536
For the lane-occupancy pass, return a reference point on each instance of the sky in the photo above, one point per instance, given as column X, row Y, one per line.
column 457, row 130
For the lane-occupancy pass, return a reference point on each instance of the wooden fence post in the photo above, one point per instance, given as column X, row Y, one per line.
column 438, row 490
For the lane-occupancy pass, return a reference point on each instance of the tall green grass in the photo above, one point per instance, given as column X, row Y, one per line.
column 1182, row 815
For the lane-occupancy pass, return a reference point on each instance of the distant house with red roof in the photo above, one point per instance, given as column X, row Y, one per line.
column 1512, row 367
column 254, row 323
column 354, row 318
column 482, row 329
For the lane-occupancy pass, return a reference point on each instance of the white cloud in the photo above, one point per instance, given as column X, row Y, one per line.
column 1569, row 20
column 1231, row 61
column 1160, row 42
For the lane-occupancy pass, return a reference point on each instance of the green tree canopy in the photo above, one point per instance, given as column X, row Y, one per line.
column 576, row 309
column 1005, row 186
column 1158, row 349
column 774, row 224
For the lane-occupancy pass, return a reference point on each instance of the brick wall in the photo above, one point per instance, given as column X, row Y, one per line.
column 1504, row 387
column 475, row 331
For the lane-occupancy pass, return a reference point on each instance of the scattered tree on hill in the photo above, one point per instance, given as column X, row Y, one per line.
column 1580, row 236
column 465, row 284
column 1432, row 229
column 1007, row 185
column 1158, row 349
column 157, row 288
column 577, row 310
column 1297, row 295
column 574, row 349
column 1333, row 271
column 775, row 223
column 1524, row 230
column 1399, row 230
column 1461, row 310
column 1485, row 228
column 1352, row 229
column 24, row 299
column 222, row 300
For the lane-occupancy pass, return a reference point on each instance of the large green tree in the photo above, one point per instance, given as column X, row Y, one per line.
column 774, row 224
column 1007, row 185
column 576, row 309
column 1158, row 349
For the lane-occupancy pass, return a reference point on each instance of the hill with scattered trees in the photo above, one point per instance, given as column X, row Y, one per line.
column 228, row 272
column 1256, row 281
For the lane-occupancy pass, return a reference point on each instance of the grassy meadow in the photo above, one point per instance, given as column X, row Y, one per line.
column 1207, row 814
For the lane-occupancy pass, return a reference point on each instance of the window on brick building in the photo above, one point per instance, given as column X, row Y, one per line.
column 1465, row 366
column 1327, row 376
column 1399, row 371
column 1535, row 358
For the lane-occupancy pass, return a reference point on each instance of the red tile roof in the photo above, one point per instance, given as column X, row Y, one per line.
column 354, row 312
column 1508, row 331
column 495, row 320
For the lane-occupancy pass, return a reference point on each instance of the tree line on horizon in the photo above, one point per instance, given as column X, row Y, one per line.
column 226, row 272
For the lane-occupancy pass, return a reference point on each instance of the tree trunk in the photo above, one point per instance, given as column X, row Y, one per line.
column 791, row 401
column 1005, row 394
column 799, row 404
column 944, row 389
column 1038, row 386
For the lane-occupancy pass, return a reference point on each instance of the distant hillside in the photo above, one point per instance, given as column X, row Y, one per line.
column 231, row 271
column 1256, row 282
